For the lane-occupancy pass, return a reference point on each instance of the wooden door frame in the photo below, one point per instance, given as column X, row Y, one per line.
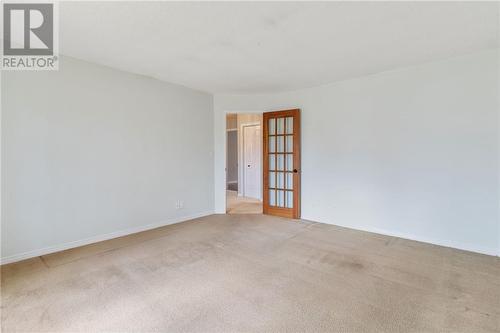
column 285, row 212
column 243, row 169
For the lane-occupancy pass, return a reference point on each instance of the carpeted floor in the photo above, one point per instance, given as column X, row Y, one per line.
column 253, row 273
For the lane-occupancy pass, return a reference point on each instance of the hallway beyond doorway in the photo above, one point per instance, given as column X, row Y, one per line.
column 242, row 205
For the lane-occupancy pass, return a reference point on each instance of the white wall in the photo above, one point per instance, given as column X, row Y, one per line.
column 410, row 152
column 89, row 152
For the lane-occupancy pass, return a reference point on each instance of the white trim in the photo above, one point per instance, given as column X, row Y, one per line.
column 498, row 155
column 98, row 238
column 232, row 182
column 231, row 130
column 438, row 242
column 252, row 123
column 1, row 173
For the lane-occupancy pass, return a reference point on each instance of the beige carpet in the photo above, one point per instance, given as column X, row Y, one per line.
column 242, row 205
column 253, row 273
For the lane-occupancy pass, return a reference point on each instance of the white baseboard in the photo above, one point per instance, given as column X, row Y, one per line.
column 98, row 238
column 439, row 242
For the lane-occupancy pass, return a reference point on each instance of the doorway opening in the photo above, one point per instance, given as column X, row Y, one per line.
column 244, row 163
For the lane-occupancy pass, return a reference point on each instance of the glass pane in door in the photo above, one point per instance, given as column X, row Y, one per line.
column 289, row 143
column 272, row 198
column 289, row 199
column 280, row 124
column 272, row 127
column 289, row 125
column 281, row 199
column 289, row 181
column 280, row 147
column 289, row 162
column 272, row 144
column 272, row 161
column 272, row 180
column 280, row 180
column 280, row 164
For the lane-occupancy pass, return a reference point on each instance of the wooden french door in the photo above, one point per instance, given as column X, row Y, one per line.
column 281, row 161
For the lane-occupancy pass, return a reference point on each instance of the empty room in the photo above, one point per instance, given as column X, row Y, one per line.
column 250, row 166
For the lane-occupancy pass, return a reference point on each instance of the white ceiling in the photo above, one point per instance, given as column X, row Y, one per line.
column 249, row 47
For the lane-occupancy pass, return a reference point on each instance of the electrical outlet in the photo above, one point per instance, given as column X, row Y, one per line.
column 179, row 204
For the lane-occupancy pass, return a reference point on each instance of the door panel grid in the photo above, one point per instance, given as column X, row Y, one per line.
column 281, row 163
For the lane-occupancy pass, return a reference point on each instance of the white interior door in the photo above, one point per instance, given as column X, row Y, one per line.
column 252, row 152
